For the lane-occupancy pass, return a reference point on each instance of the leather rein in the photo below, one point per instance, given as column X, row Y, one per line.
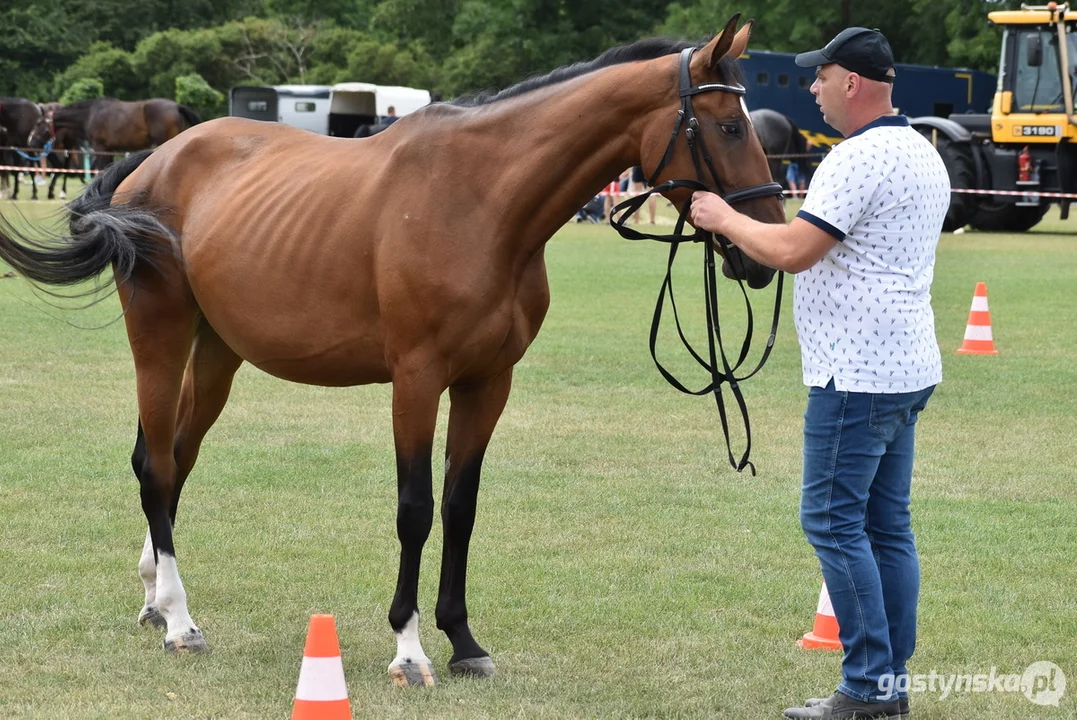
column 726, row 372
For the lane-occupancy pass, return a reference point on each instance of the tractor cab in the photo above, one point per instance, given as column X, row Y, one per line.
column 1034, row 102
column 1027, row 146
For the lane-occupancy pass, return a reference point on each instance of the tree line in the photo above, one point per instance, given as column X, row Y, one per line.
column 194, row 51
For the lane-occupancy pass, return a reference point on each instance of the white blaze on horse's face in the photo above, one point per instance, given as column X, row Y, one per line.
column 744, row 109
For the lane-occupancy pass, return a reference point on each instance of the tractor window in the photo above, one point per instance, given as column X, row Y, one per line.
column 1039, row 88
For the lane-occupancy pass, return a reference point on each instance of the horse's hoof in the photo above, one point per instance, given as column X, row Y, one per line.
column 150, row 616
column 190, row 642
column 479, row 667
column 413, row 675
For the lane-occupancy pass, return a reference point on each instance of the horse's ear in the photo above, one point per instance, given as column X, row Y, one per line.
column 740, row 40
column 718, row 47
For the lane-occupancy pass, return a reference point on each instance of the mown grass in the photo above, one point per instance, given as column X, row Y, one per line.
column 619, row 567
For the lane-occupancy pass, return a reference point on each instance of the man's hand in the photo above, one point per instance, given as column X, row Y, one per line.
column 710, row 212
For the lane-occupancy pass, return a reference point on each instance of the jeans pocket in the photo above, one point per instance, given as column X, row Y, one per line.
column 890, row 413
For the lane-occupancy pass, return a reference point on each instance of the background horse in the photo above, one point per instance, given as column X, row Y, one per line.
column 367, row 130
column 110, row 125
column 779, row 135
column 414, row 258
column 18, row 116
column 65, row 147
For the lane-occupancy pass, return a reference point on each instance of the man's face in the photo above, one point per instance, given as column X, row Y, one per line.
column 829, row 92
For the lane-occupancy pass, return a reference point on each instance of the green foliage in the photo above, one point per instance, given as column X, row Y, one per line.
column 111, row 65
column 139, row 49
column 927, row 32
column 386, row 64
column 193, row 90
column 84, row 89
column 164, row 56
column 39, row 40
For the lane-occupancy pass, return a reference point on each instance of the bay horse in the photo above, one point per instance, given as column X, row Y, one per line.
column 110, row 125
column 414, row 257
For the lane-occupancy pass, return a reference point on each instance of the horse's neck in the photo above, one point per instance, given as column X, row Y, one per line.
column 564, row 143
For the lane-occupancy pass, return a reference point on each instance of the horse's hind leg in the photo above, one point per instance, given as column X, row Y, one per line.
column 415, row 408
column 207, row 381
column 473, row 414
column 160, row 326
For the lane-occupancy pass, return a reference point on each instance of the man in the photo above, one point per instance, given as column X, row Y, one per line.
column 863, row 246
column 391, row 117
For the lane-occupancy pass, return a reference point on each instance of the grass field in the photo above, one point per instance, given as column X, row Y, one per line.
column 619, row 568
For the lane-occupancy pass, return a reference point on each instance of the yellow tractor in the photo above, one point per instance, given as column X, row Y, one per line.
column 1027, row 143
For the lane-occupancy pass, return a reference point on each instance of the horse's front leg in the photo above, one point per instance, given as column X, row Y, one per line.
column 147, row 570
column 415, row 409
column 474, row 412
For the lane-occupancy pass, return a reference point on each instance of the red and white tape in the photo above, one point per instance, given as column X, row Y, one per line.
column 33, row 169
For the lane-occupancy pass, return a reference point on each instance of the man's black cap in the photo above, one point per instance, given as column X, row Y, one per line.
column 860, row 50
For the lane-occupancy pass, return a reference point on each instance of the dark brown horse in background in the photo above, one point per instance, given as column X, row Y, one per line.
column 414, row 257
column 63, row 144
column 779, row 136
column 18, row 117
column 107, row 125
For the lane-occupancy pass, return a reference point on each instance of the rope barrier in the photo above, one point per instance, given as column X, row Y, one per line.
column 1025, row 193
column 22, row 150
column 33, row 170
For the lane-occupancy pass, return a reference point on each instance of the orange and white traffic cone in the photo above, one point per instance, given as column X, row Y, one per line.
column 322, row 693
column 978, row 337
column 824, row 633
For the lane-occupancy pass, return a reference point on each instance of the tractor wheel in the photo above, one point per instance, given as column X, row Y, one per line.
column 1006, row 217
column 957, row 157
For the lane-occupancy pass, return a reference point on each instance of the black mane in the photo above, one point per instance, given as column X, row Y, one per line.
column 646, row 49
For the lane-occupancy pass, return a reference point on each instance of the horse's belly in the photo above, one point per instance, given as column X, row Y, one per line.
column 339, row 367
column 301, row 347
column 307, row 327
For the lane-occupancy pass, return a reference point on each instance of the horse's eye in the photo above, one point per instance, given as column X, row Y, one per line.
column 730, row 128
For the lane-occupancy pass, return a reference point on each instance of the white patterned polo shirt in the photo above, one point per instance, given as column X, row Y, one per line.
column 863, row 313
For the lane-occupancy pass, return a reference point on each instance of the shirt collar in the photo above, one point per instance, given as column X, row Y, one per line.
column 884, row 121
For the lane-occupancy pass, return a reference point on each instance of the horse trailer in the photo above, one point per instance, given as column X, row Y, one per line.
column 301, row 106
column 776, row 82
column 336, row 110
column 353, row 104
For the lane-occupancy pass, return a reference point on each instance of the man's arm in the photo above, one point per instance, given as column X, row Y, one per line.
column 792, row 248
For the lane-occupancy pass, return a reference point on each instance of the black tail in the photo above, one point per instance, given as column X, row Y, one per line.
column 189, row 115
column 101, row 235
column 797, row 142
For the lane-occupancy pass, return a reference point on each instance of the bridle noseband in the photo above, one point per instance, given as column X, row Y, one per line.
column 686, row 119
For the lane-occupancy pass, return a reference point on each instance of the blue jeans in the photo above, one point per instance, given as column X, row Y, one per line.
column 854, row 508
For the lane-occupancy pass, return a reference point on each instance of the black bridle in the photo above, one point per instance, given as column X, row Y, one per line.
column 686, row 118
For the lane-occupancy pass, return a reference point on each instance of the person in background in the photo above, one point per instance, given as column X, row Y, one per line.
column 637, row 185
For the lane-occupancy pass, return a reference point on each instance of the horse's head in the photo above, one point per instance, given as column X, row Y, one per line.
column 723, row 133
column 42, row 132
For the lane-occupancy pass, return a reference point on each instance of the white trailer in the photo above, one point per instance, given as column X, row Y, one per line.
column 336, row 110
column 353, row 104
column 301, row 106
